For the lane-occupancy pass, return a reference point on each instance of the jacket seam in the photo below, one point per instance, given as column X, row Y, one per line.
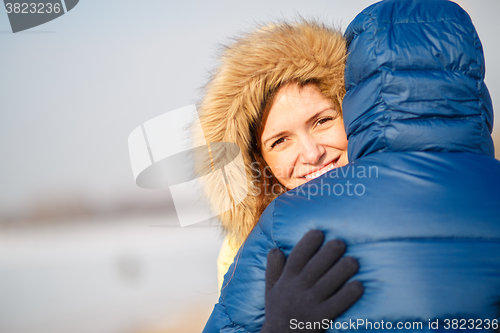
column 433, row 238
column 230, row 320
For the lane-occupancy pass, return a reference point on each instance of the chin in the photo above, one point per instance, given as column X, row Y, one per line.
column 298, row 182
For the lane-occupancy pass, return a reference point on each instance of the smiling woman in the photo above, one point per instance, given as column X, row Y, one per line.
column 303, row 135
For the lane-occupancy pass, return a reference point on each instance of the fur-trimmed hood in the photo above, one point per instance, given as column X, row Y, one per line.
column 252, row 68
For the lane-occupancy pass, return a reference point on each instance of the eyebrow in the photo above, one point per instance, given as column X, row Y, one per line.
column 307, row 121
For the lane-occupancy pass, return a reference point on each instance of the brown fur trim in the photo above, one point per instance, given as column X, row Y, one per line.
column 251, row 69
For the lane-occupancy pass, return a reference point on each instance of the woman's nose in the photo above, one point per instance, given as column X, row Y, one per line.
column 311, row 152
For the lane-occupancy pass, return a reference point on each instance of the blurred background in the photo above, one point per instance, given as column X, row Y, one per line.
column 82, row 248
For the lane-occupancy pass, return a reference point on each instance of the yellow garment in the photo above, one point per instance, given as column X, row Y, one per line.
column 227, row 252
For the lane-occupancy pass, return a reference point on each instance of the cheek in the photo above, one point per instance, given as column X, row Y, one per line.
column 343, row 141
column 281, row 164
column 337, row 137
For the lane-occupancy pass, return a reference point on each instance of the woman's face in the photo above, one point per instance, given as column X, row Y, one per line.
column 303, row 136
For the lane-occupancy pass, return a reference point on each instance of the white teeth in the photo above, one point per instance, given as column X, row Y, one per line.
column 322, row 171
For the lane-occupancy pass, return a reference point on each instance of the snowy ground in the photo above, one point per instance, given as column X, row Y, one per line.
column 117, row 275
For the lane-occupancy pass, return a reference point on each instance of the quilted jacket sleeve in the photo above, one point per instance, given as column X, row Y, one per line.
column 219, row 322
column 242, row 300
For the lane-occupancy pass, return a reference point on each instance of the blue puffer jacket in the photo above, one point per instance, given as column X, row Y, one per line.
column 419, row 205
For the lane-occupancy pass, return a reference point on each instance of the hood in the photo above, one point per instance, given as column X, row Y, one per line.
column 253, row 67
column 414, row 82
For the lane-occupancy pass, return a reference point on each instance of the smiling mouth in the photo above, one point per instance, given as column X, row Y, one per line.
column 323, row 170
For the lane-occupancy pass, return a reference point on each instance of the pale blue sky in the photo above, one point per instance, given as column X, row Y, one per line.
column 73, row 89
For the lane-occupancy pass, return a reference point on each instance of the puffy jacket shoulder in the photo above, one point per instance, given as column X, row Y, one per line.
column 242, row 300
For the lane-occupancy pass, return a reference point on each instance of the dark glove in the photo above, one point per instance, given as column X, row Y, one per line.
column 310, row 286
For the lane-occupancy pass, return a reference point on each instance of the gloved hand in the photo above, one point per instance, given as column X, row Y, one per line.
column 309, row 286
